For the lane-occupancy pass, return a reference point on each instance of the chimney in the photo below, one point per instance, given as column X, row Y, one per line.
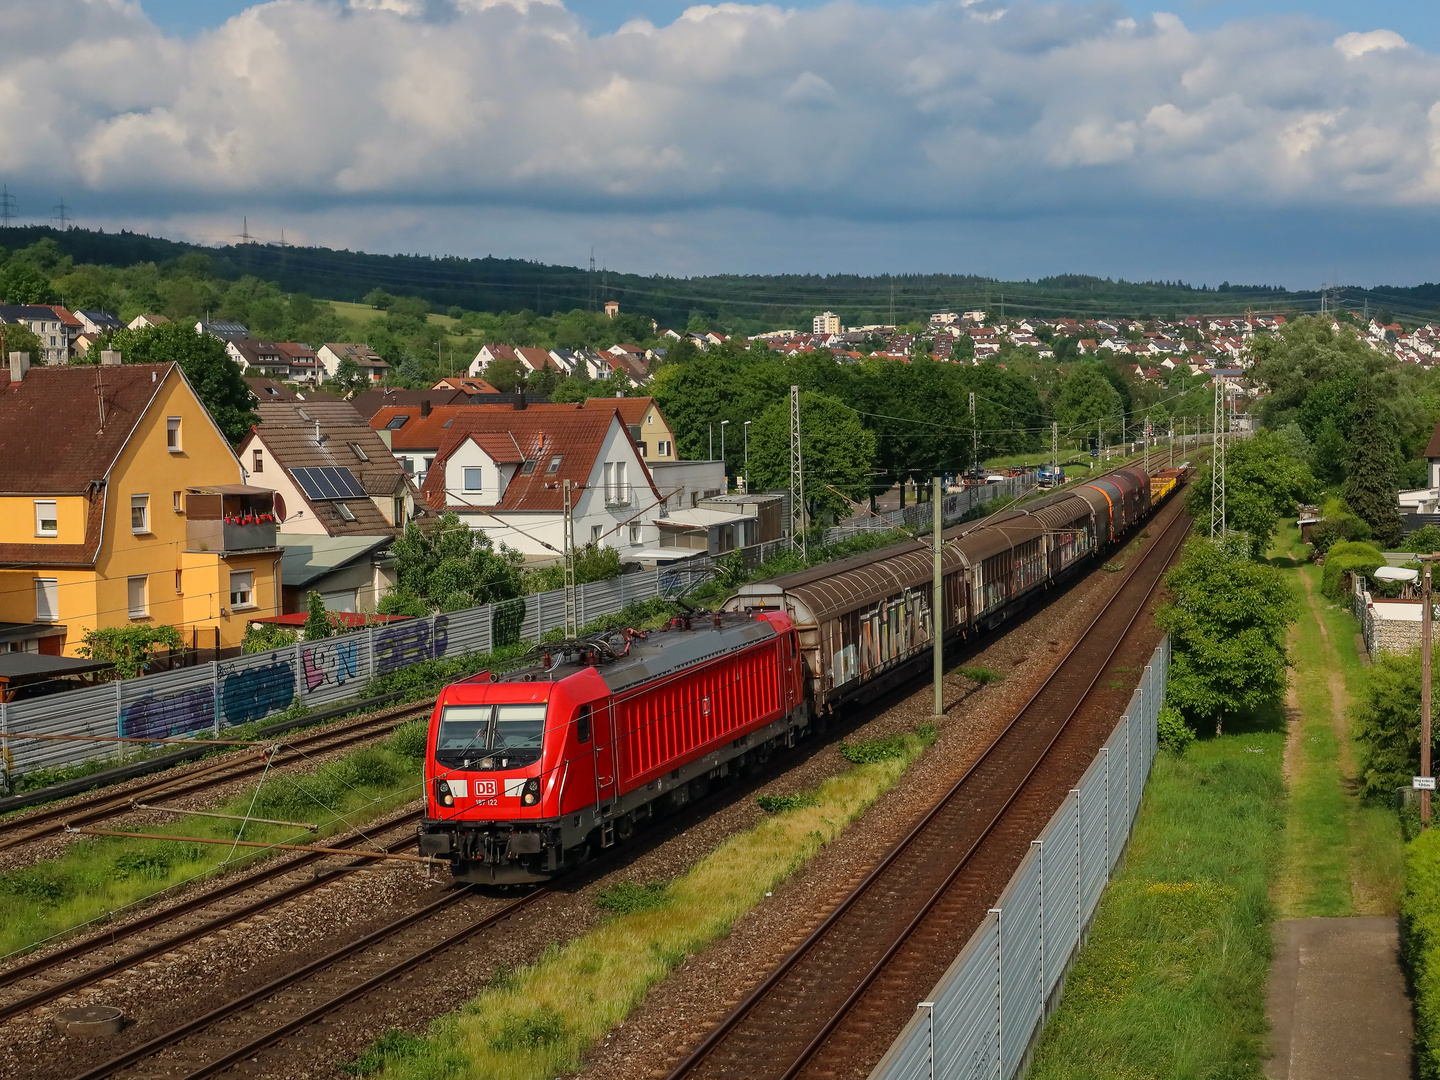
column 110, row 358
column 520, row 401
column 424, row 408
column 19, row 365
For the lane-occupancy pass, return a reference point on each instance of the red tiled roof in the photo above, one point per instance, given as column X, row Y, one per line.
column 632, row 410
column 53, row 443
column 426, row 432
column 66, row 318
column 537, row 434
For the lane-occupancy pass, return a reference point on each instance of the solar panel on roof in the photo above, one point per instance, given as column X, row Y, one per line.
column 328, row 482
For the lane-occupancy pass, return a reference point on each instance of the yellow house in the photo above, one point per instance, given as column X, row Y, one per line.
column 646, row 423
column 122, row 503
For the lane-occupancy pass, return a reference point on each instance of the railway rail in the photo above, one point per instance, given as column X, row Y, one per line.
column 51, row 983
column 244, row 1026
column 828, row 1010
column 106, row 803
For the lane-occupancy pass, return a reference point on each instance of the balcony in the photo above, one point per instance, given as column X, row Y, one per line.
column 230, row 518
column 618, row 495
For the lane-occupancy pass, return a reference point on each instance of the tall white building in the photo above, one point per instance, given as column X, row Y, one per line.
column 826, row 323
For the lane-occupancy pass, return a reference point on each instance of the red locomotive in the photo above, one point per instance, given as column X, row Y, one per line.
column 530, row 770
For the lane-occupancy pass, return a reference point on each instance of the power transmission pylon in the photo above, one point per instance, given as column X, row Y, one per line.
column 7, row 206
column 797, row 478
column 1217, row 460
column 61, row 216
column 572, row 615
column 244, row 234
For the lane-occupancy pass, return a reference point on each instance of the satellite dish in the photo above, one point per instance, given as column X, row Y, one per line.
column 279, row 507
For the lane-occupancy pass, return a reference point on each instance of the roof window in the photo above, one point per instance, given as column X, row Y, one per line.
column 554, row 465
column 527, row 467
column 397, row 422
column 345, row 512
column 359, row 451
column 303, row 414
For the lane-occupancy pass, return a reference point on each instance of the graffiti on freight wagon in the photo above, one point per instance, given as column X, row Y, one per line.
column 410, row 642
column 330, row 661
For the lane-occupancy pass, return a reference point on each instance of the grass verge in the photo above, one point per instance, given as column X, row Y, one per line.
column 103, row 874
column 1172, row 982
column 538, row 1022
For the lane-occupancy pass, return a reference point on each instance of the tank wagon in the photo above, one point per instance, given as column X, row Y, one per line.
column 529, row 772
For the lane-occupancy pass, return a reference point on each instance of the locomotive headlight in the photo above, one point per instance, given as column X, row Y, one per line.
column 531, row 795
column 443, row 795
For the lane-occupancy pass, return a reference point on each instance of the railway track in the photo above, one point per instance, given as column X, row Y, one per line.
column 244, row 1026
column 50, row 983
column 834, row 1004
column 102, row 804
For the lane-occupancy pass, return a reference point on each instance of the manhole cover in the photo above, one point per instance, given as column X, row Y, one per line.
column 89, row 1021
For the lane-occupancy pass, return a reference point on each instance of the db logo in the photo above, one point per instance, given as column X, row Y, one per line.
column 484, row 788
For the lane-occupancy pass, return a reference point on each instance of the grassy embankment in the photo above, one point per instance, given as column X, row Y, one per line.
column 539, row 1021
column 1172, row 982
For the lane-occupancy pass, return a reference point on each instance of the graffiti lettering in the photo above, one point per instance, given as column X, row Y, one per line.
column 334, row 661
column 255, row 693
column 410, row 642
column 164, row 717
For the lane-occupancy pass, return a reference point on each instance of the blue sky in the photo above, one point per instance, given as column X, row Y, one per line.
column 1206, row 140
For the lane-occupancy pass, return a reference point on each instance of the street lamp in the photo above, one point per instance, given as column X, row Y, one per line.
column 747, row 454
column 723, row 465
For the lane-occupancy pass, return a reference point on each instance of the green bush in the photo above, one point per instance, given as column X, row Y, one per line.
column 408, row 740
column 1423, row 541
column 982, row 675
column 778, row 804
column 1348, row 556
column 1173, row 732
column 628, row 896
column 393, row 1046
column 871, row 750
column 1420, row 945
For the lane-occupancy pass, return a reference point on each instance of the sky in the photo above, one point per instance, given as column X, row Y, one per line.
column 1270, row 141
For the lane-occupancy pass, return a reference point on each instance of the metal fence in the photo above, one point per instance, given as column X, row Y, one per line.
column 983, row 1017
column 956, row 506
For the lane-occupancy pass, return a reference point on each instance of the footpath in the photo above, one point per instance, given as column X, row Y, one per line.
column 1336, row 997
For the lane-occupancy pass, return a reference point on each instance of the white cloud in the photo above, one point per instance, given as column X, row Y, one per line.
column 937, row 111
column 1357, row 44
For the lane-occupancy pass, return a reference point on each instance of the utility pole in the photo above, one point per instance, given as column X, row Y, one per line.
column 1425, row 640
column 937, row 608
column 797, row 478
column 572, row 616
column 1055, row 447
column 974, row 436
column 746, row 429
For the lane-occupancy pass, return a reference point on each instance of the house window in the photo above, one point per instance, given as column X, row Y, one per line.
column 527, row 467
column 137, row 588
column 47, row 521
column 179, row 507
column 650, row 418
column 644, row 448
column 397, row 422
column 399, row 510
column 554, row 465
column 242, row 588
column 172, row 434
column 472, row 479
column 594, row 534
column 429, row 461
column 140, row 513
column 662, row 448
column 47, row 599
column 359, row 451
column 634, row 534
column 345, row 512
column 258, row 461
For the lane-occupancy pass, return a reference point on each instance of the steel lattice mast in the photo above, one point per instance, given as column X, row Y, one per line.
column 797, row 477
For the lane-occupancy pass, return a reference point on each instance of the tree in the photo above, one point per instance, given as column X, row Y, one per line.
column 505, row 374
column 1087, row 402
column 1370, row 486
column 1387, row 723
column 262, row 637
column 447, row 566
column 20, row 338
column 130, row 648
column 22, row 283
column 837, row 452
column 1227, row 623
column 318, row 623
column 215, row 377
column 1264, row 480
column 348, row 378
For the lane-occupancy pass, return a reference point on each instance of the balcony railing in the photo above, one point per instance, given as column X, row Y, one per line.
column 618, row 495
column 223, row 536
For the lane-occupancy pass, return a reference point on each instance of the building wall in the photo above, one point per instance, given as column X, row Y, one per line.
column 17, row 519
column 183, row 588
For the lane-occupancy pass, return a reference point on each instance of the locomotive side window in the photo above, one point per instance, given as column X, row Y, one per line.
column 792, row 643
column 582, row 724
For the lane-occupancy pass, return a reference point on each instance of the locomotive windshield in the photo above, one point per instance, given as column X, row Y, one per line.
column 490, row 736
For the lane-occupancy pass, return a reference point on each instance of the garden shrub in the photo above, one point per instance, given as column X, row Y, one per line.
column 1348, row 556
column 1420, row 946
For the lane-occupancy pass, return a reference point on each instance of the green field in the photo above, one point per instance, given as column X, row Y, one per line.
column 364, row 313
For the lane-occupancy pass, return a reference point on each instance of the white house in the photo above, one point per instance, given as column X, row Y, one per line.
column 372, row 365
column 504, row 474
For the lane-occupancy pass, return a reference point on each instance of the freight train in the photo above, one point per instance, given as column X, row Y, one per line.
column 529, row 772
